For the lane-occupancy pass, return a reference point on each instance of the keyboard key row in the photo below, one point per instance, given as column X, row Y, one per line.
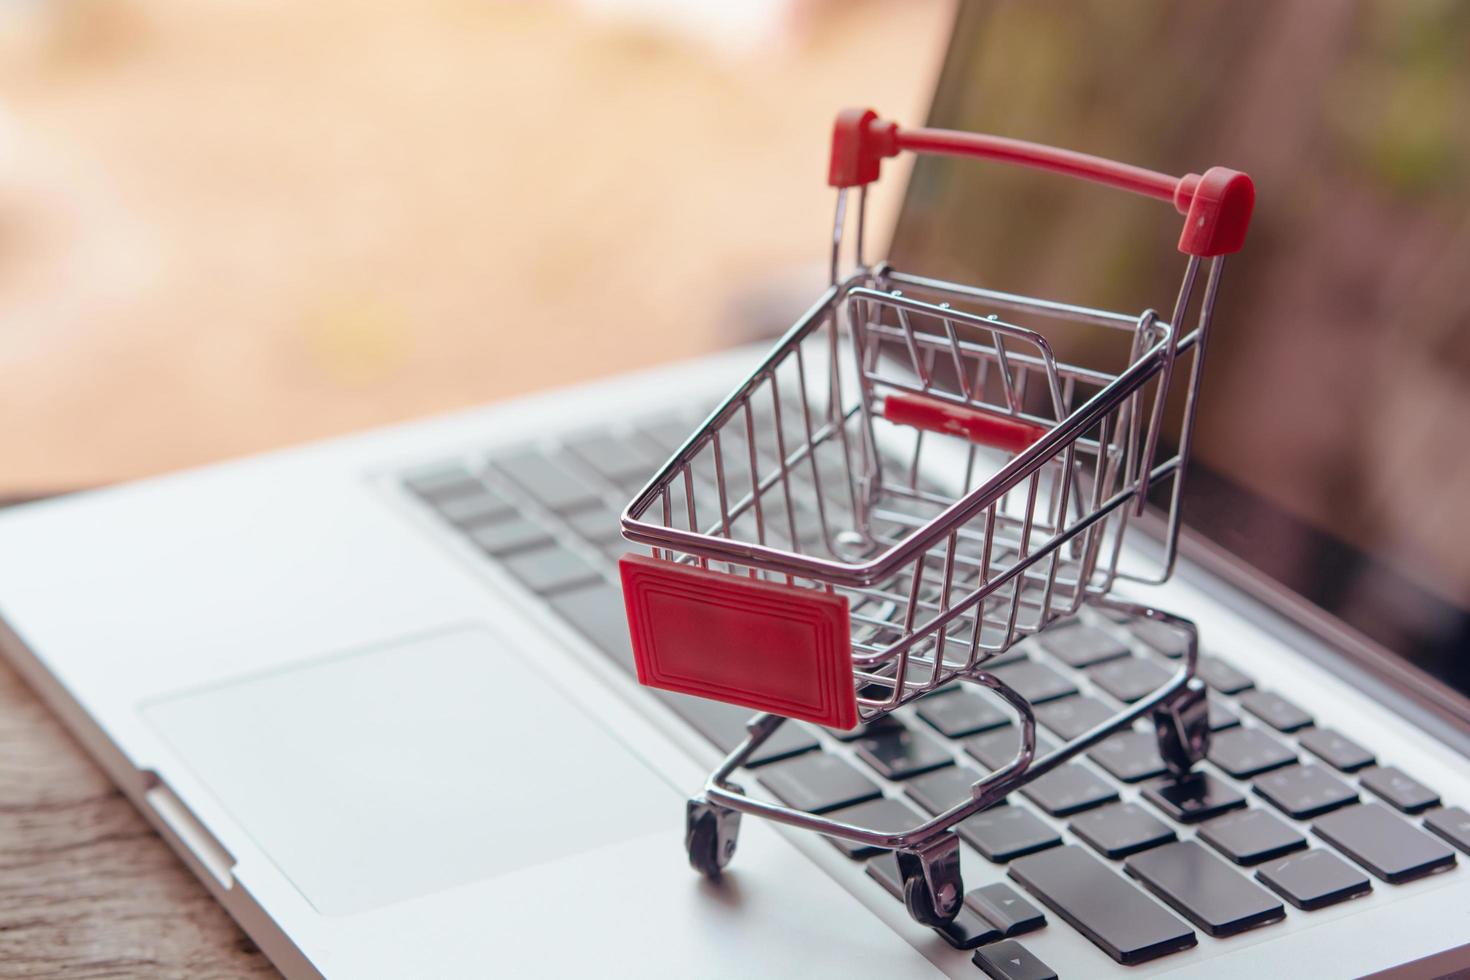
column 955, row 714
column 1204, row 889
column 1275, row 710
column 1251, row 836
column 1102, row 905
column 900, row 753
column 1384, row 843
column 1004, row 833
column 942, row 789
column 1118, row 831
column 1219, row 899
column 884, row 815
column 1305, row 791
column 987, row 914
column 1314, row 880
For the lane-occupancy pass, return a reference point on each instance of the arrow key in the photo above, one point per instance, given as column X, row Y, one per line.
column 1009, row 960
column 1453, row 824
column 1005, row 909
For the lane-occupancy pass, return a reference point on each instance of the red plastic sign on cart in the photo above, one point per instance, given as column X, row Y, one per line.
column 763, row 645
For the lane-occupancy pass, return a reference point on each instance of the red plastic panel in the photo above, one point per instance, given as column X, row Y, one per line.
column 1000, row 431
column 766, row 646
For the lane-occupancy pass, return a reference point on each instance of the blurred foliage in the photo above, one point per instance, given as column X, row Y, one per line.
column 1399, row 105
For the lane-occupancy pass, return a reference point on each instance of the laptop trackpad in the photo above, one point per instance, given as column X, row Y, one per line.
column 379, row 775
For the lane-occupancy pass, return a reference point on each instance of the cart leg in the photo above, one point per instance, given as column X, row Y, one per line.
column 1182, row 725
column 710, row 833
column 932, row 888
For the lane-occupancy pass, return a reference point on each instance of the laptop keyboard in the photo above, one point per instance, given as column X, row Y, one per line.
column 1287, row 816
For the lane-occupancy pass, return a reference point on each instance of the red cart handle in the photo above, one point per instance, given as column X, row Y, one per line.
column 1216, row 205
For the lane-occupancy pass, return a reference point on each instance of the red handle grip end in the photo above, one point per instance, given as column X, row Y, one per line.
column 860, row 141
column 1217, row 211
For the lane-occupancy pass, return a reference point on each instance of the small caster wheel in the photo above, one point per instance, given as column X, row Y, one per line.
column 920, row 903
column 919, row 895
column 1182, row 725
column 710, row 833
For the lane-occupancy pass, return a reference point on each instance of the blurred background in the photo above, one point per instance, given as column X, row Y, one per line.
column 229, row 226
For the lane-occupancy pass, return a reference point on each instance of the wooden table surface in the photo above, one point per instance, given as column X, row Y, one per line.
column 232, row 227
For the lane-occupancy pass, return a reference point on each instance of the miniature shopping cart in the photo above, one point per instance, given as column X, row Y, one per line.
column 909, row 484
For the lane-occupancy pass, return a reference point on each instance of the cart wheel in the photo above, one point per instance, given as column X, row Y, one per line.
column 1182, row 725
column 710, row 833
column 920, row 903
column 943, row 871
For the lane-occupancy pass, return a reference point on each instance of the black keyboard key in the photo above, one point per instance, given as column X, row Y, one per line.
column 597, row 612
column 1401, row 790
column 1246, row 752
column 1005, row 909
column 1305, row 791
column 622, row 461
column 1129, row 679
column 1221, row 717
column 956, row 714
column 1080, row 646
column 1275, row 710
column 1198, row 796
column 1204, row 889
column 1251, row 836
column 1071, row 717
column 887, row 723
column 1453, row 824
column 883, row 815
column 1035, row 682
column 1384, row 843
column 967, row 930
column 500, row 538
column 1102, row 905
column 899, row 753
column 1068, row 789
column 600, row 525
column 547, row 481
column 1129, row 756
column 1335, row 749
column 884, row 870
column 471, row 510
column 667, row 434
column 1004, row 833
column 1314, row 880
column 1222, row 677
column 997, row 748
column 942, row 789
column 440, row 484
column 1010, row 960
column 723, row 725
column 550, row 569
column 1118, row 831
column 817, row 782
column 1162, row 639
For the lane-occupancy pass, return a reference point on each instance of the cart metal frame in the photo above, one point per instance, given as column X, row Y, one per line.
column 808, row 500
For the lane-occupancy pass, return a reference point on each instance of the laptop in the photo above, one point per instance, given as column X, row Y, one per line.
column 378, row 693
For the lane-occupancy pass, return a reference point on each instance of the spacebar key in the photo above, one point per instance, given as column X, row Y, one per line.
column 1102, row 905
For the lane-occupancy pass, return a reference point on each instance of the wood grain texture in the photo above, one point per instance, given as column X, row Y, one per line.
column 86, row 888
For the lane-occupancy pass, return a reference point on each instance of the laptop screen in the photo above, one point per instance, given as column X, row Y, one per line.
column 1331, row 448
